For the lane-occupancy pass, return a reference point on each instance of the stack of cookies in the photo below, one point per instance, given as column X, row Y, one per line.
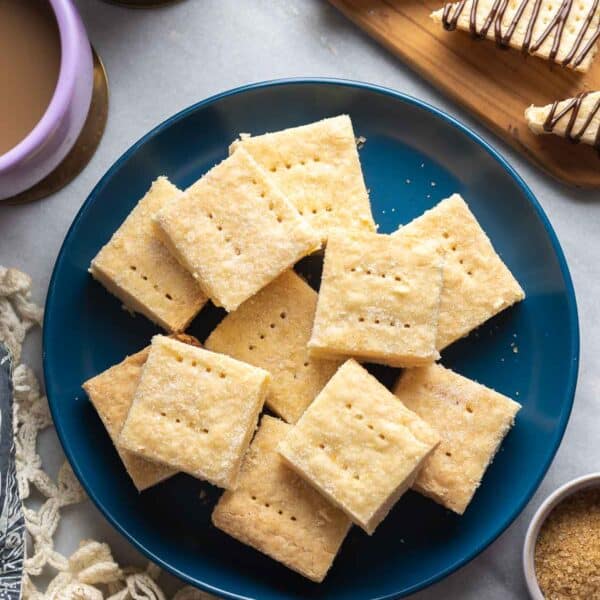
column 338, row 447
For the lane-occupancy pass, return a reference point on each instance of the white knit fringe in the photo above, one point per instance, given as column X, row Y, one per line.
column 90, row 573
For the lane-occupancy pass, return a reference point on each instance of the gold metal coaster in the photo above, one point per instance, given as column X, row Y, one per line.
column 84, row 148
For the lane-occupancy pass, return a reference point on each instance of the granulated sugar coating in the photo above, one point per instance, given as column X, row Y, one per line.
column 567, row 554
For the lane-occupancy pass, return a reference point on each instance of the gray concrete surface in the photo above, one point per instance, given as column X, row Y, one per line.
column 162, row 60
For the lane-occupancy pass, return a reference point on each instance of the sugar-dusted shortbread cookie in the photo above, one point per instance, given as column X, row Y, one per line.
column 379, row 299
column 276, row 512
column 317, row 168
column 563, row 31
column 477, row 284
column 194, row 411
column 471, row 420
column 235, row 232
column 111, row 393
column 577, row 119
column 138, row 269
column 271, row 330
column 358, row 445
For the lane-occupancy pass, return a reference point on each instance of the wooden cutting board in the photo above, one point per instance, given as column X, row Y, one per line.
column 495, row 85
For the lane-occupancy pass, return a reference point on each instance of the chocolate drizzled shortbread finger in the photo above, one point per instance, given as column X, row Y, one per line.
column 565, row 32
column 577, row 119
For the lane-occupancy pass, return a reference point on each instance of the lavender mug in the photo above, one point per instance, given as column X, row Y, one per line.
column 42, row 150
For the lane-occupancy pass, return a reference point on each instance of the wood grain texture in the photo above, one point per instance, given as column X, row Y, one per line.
column 496, row 85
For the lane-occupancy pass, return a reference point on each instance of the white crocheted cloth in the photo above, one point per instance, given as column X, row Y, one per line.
column 90, row 573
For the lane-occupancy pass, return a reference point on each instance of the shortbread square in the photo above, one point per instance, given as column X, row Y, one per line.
column 358, row 445
column 317, row 168
column 195, row 411
column 477, row 284
column 533, row 27
column 379, row 300
column 276, row 512
column 235, row 232
column 271, row 330
column 138, row 269
column 111, row 393
column 471, row 420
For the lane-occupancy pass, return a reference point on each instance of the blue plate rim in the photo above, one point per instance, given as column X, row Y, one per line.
column 402, row 97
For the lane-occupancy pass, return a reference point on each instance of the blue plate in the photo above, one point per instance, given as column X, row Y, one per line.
column 413, row 157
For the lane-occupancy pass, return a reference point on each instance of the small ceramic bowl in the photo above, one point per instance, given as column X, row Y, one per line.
column 48, row 143
column 581, row 483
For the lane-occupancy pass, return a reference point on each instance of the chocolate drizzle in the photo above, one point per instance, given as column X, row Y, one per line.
column 555, row 28
column 573, row 108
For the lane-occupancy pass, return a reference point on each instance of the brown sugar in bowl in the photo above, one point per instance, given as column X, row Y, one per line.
column 561, row 554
